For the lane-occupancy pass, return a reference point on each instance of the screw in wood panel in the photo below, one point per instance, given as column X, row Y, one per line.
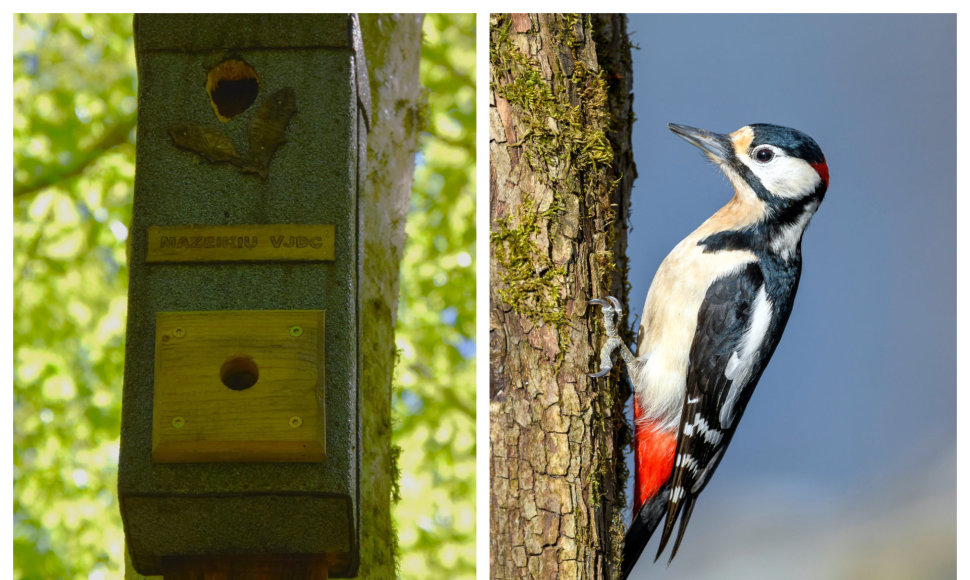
column 296, row 331
column 178, row 422
column 295, row 421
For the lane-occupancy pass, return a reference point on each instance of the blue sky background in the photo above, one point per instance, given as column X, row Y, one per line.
column 844, row 463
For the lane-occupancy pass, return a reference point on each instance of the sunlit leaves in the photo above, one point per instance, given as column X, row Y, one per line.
column 435, row 379
column 74, row 97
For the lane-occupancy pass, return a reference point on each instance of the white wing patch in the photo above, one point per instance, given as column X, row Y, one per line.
column 676, row 494
column 733, row 366
column 742, row 360
column 712, row 436
column 687, row 461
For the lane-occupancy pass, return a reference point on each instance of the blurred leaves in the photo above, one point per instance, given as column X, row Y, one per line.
column 74, row 115
column 434, row 398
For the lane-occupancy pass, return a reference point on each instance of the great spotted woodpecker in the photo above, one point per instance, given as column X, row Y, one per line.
column 713, row 316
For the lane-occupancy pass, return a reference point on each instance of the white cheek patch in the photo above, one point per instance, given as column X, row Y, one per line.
column 786, row 177
column 742, row 361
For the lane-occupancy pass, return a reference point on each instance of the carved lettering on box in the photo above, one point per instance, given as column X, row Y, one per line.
column 241, row 243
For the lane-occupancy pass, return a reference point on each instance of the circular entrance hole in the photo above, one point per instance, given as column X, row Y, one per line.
column 232, row 86
column 239, row 372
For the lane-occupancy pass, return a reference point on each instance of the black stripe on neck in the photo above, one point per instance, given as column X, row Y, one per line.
column 781, row 213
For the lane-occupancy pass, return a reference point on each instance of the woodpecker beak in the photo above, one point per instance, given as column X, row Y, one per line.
column 716, row 146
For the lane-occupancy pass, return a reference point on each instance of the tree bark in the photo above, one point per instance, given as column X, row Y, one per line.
column 392, row 44
column 560, row 172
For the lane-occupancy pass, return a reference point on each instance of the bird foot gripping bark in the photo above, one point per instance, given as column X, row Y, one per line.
column 612, row 310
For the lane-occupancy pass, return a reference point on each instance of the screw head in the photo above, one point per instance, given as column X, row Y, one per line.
column 178, row 422
column 295, row 421
column 296, row 331
column 178, row 332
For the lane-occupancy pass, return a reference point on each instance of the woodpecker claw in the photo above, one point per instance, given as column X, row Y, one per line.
column 613, row 304
column 612, row 310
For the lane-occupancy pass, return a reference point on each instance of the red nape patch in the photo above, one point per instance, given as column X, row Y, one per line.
column 823, row 171
column 654, row 457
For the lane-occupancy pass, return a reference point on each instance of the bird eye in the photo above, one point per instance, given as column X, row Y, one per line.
column 764, row 155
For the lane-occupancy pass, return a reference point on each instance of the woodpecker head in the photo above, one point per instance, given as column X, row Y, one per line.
column 778, row 164
column 779, row 177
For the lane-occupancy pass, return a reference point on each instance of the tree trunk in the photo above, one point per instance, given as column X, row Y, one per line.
column 560, row 174
column 392, row 44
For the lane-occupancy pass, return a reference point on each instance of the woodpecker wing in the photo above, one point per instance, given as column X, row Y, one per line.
column 728, row 354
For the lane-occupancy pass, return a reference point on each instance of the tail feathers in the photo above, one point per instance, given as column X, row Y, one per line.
column 688, row 509
column 646, row 521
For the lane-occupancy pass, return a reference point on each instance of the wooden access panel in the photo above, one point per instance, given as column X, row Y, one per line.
column 239, row 386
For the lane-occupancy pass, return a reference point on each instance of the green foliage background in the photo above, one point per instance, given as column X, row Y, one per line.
column 74, row 117
column 434, row 399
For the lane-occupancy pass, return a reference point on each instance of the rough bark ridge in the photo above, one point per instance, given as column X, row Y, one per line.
column 560, row 175
column 392, row 44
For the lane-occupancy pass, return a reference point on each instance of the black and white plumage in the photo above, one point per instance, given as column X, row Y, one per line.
column 713, row 317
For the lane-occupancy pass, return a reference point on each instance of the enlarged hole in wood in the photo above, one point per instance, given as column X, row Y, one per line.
column 232, row 86
column 239, row 373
